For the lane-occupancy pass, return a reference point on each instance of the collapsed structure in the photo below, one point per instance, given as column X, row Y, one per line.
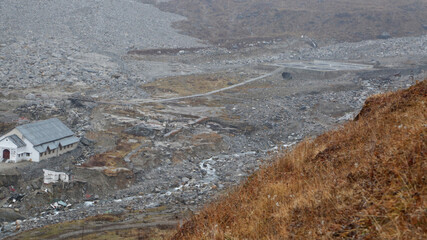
column 54, row 177
column 37, row 141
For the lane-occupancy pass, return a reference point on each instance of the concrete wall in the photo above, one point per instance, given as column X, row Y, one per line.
column 58, row 151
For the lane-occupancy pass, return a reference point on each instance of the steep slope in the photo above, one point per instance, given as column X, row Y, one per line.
column 367, row 179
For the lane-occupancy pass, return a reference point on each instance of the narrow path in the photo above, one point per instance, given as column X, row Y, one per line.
column 112, row 227
column 142, row 101
column 214, row 91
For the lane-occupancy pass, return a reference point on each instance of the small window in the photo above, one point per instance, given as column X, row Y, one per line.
column 28, row 154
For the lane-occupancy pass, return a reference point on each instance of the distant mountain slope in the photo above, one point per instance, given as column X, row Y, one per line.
column 367, row 179
column 229, row 21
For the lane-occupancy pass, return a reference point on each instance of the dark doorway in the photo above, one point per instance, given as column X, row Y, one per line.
column 6, row 154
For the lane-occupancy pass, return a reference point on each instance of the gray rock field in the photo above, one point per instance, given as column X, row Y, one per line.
column 73, row 59
column 61, row 42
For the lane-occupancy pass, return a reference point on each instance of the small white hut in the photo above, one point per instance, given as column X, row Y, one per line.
column 53, row 177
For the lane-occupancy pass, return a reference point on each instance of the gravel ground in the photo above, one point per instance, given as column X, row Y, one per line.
column 65, row 42
column 102, row 26
column 83, row 45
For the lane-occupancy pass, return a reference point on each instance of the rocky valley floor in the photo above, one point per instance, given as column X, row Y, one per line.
column 168, row 121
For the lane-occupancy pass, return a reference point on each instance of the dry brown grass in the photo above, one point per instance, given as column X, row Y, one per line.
column 105, row 218
column 366, row 179
column 114, row 157
column 129, row 234
column 194, row 84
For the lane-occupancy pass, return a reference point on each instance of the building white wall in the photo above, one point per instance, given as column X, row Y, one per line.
column 35, row 156
column 7, row 144
column 14, row 151
column 21, row 154
column 53, row 177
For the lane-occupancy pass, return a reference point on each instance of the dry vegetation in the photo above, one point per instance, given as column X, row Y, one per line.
column 194, row 84
column 229, row 21
column 115, row 157
column 105, row 218
column 366, row 179
column 129, row 234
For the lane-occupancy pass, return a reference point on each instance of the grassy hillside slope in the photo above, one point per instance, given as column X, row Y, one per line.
column 367, row 179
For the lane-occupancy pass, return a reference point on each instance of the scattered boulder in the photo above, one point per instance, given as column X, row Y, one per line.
column 185, row 179
column 377, row 64
column 7, row 227
column 44, row 96
column 144, row 130
column 286, row 75
column 78, row 100
column 384, row 35
column 36, row 184
column 30, row 96
column 87, row 142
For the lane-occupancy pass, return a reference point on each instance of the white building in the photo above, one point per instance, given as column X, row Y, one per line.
column 37, row 141
column 53, row 177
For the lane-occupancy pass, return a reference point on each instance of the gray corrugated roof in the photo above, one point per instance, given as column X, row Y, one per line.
column 45, row 131
column 53, row 145
column 68, row 141
column 18, row 142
